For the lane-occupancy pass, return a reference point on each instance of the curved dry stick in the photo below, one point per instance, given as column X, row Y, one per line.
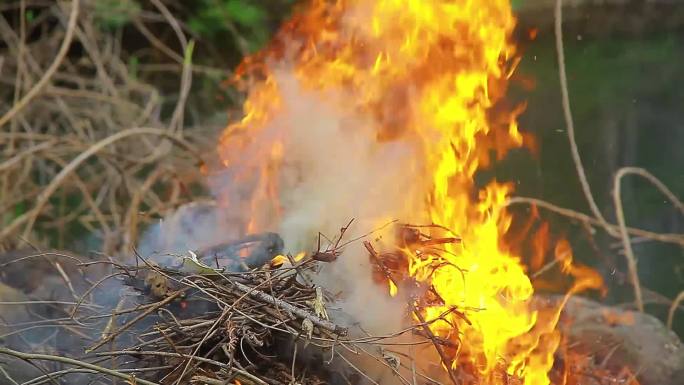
column 80, row 300
column 665, row 237
column 131, row 221
column 570, row 125
column 20, row 66
column 29, row 217
column 172, row 22
column 655, row 182
column 620, row 214
column 2, row 369
column 186, row 84
column 41, row 254
column 23, row 154
column 89, row 43
column 61, row 54
column 673, row 309
column 86, row 196
column 626, row 244
column 186, row 74
column 69, row 361
column 165, row 49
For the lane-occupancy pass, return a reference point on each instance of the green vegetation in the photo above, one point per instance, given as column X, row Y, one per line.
column 112, row 14
column 250, row 22
column 214, row 17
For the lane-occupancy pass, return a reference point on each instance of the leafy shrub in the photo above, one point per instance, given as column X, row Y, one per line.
column 112, row 14
column 248, row 20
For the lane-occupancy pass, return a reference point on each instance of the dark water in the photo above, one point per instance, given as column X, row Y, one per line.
column 627, row 96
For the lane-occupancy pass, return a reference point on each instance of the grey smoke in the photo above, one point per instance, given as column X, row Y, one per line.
column 334, row 170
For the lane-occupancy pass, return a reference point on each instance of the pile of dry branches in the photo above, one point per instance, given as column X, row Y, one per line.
column 200, row 318
column 188, row 322
column 191, row 323
column 86, row 143
column 217, row 327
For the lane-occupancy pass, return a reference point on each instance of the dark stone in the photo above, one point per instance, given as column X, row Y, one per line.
column 620, row 338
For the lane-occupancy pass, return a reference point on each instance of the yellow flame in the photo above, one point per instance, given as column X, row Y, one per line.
column 430, row 73
column 282, row 259
column 299, row 256
column 279, row 260
column 393, row 290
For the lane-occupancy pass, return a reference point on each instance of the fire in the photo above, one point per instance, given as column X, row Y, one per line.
column 281, row 259
column 430, row 74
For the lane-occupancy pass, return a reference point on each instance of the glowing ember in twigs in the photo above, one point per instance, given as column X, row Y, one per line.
column 438, row 347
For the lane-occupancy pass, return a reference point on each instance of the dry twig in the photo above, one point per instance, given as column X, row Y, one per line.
column 74, row 362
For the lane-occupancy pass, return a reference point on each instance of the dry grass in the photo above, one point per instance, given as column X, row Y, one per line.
column 85, row 145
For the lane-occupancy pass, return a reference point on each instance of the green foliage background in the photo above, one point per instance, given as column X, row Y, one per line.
column 251, row 21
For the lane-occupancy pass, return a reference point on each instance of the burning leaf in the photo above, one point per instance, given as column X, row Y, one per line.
column 279, row 260
column 299, row 256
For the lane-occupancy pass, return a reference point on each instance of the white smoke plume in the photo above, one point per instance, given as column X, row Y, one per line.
column 334, row 170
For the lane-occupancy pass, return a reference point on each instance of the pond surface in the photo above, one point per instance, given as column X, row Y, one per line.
column 627, row 96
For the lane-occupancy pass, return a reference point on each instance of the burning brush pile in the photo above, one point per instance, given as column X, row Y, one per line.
column 242, row 313
column 260, row 319
column 213, row 326
column 382, row 111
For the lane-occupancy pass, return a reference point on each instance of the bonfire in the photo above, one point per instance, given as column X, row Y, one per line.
column 349, row 241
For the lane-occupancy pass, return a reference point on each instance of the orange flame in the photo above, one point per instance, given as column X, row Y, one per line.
column 430, row 74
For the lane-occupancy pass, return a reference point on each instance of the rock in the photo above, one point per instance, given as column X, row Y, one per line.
column 19, row 371
column 28, row 287
column 15, row 310
column 27, row 269
column 624, row 338
column 12, row 313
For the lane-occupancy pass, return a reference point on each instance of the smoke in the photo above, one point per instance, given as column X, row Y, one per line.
column 334, row 169
column 335, row 172
column 191, row 227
